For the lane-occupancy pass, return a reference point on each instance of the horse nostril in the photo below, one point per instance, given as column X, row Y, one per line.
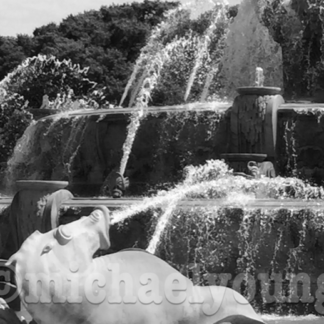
column 63, row 235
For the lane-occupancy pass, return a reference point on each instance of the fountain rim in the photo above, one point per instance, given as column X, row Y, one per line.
column 243, row 157
column 259, row 91
column 258, row 203
column 191, row 107
column 41, row 184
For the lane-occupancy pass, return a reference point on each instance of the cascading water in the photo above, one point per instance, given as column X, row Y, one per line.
column 219, row 15
column 73, row 144
column 235, row 240
column 20, row 154
column 204, row 241
column 132, row 128
column 155, row 55
column 215, row 180
column 161, row 49
column 44, row 142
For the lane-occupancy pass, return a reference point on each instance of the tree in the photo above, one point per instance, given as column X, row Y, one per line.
column 108, row 41
column 14, row 119
column 11, row 55
column 299, row 29
column 39, row 76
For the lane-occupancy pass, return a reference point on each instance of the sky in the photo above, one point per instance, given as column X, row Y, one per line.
column 23, row 16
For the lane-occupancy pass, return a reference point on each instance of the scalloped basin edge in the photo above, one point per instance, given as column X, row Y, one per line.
column 260, row 91
column 41, row 185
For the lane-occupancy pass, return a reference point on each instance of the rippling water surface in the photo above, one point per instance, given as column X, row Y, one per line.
column 269, row 319
column 309, row 319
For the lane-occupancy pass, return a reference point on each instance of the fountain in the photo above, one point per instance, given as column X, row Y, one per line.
column 254, row 126
column 244, row 226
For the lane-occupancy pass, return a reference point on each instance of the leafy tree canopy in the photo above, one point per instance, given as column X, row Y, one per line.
column 108, row 41
column 298, row 26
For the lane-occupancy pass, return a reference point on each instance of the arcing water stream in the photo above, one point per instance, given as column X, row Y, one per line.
column 215, row 180
column 258, row 241
column 152, row 60
column 162, row 48
column 41, row 137
column 212, row 180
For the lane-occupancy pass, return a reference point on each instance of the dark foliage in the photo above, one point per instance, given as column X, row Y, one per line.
column 108, row 41
column 13, row 122
column 300, row 34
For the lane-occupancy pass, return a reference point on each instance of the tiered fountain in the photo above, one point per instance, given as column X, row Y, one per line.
column 254, row 127
column 267, row 239
column 247, row 227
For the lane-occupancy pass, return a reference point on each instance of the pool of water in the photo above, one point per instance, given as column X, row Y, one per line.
column 309, row 319
column 269, row 319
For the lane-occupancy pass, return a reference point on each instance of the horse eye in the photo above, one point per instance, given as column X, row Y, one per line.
column 47, row 248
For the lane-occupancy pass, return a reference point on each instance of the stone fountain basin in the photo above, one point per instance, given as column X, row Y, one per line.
column 205, row 106
column 241, row 157
column 41, row 185
column 259, row 203
column 308, row 319
column 259, row 91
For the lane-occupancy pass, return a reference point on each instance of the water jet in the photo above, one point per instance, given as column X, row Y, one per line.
column 254, row 223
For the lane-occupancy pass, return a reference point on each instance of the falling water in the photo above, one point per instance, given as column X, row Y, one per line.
column 151, row 61
column 28, row 148
column 195, row 182
column 74, row 142
column 202, row 49
column 150, row 53
column 274, row 319
column 215, row 180
column 176, row 196
column 146, row 84
column 20, row 153
column 209, row 79
column 132, row 128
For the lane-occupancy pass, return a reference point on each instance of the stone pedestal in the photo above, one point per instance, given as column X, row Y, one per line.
column 254, row 121
column 239, row 161
column 51, row 213
column 27, row 207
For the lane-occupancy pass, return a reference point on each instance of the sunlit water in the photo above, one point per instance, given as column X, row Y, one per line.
column 214, row 180
column 309, row 319
column 268, row 319
column 202, row 184
column 132, row 128
column 25, row 151
column 155, row 54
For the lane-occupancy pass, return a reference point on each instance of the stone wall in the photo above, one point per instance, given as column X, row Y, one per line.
column 300, row 149
column 84, row 151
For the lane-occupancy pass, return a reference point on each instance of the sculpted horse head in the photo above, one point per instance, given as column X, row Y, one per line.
column 56, row 255
column 59, row 281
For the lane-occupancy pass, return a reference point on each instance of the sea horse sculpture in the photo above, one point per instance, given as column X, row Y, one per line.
column 115, row 184
column 257, row 170
column 59, row 281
